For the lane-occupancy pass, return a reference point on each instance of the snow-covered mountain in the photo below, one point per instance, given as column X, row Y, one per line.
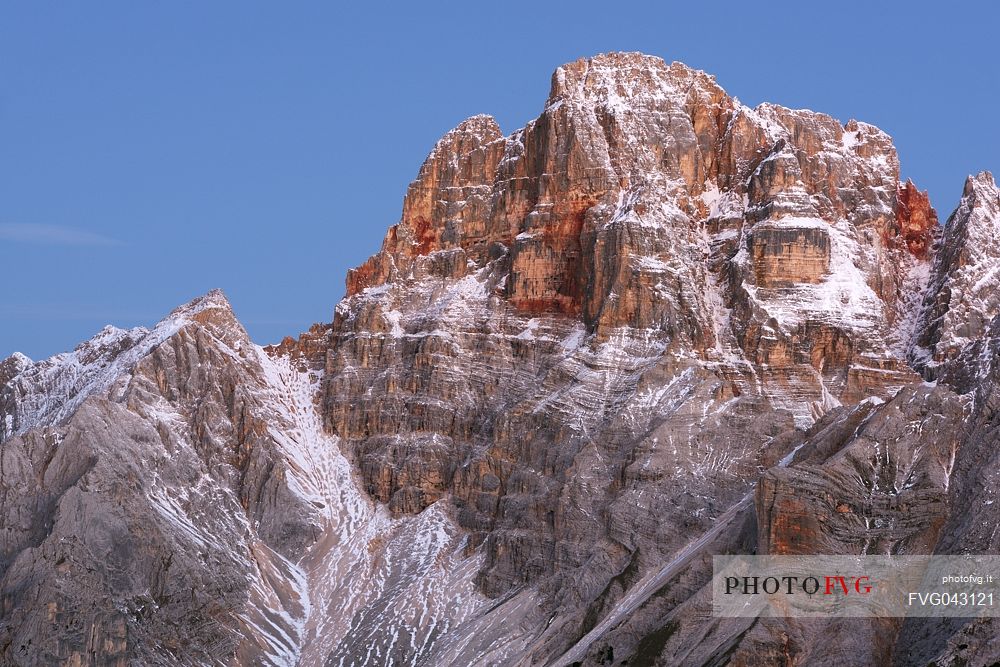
column 652, row 325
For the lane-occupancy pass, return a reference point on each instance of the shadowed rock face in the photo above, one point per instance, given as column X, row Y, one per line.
column 962, row 301
column 585, row 347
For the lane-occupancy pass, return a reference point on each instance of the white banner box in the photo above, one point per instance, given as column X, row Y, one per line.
column 856, row 586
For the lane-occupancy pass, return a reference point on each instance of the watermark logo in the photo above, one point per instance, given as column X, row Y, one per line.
column 856, row 586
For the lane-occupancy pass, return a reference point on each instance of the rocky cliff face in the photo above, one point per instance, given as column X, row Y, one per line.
column 652, row 325
column 959, row 307
column 190, row 509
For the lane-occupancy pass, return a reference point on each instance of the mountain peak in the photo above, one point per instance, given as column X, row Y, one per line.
column 12, row 366
column 213, row 299
column 982, row 182
column 212, row 309
column 619, row 78
column 47, row 391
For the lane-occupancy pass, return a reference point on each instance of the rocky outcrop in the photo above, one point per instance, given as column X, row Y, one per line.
column 962, row 299
column 973, row 515
column 308, row 351
column 874, row 481
column 446, row 208
column 33, row 394
column 916, row 221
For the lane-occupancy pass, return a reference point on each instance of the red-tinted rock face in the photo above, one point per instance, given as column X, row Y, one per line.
column 447, row 207
column 632, row 159
column 916, row 221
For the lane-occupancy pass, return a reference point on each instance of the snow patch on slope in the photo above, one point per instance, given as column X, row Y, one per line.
column 376, row 589
column 843, row 297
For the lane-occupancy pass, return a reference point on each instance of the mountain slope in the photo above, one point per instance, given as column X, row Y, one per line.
column 190, row 510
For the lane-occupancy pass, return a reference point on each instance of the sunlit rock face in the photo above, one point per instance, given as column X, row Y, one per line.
column 651, row 325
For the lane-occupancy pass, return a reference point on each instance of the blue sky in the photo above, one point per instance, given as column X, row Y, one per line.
column 153, row 151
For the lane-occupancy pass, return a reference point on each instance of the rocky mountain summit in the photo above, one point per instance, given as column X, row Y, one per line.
column 650, row 326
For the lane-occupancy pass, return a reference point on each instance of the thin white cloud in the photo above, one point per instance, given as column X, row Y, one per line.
column 52, row 235
column 78, row 312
